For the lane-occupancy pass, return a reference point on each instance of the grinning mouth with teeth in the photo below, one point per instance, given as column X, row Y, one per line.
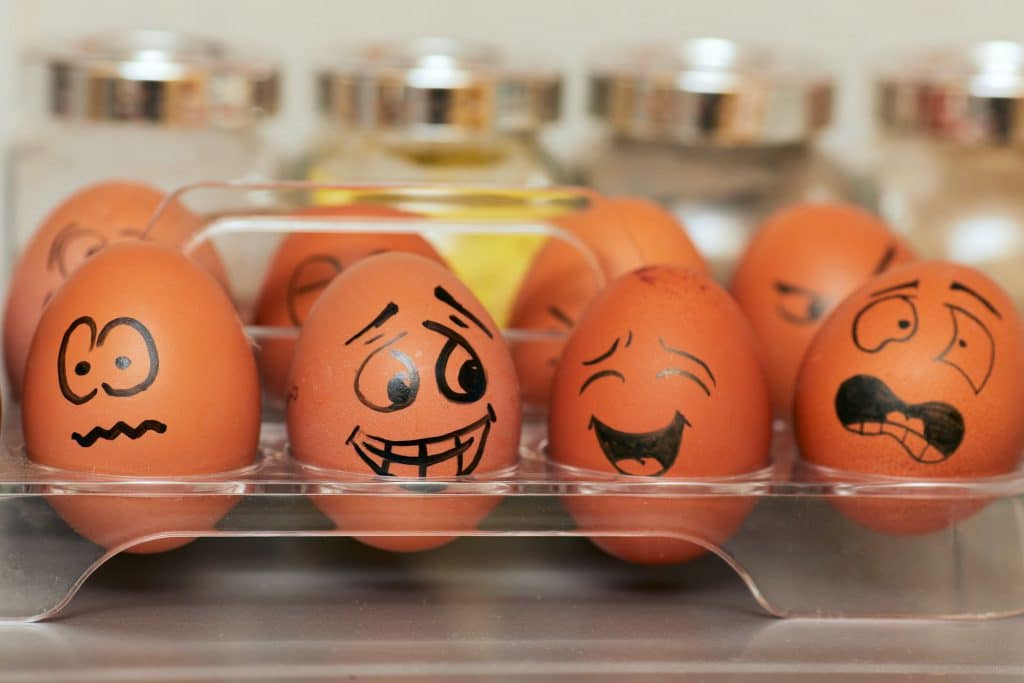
column 648, row 454
column 929, row 432
column 462, row 449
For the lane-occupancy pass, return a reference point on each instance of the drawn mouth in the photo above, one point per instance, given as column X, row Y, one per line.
column 462, row 449
column 929, row 432
column 648, row 454
column 120, row 428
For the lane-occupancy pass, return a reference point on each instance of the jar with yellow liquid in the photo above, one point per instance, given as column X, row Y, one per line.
column 441, row 111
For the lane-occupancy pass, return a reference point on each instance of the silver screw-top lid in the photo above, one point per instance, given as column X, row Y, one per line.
column 438, row 87
column 157, row 77
column 710, row 91
column 973, row 95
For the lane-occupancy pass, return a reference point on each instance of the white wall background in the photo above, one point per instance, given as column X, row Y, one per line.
column 847, row 35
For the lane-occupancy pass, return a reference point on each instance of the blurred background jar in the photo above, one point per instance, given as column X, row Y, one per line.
column 722, row 134
column 151, row 106
column 441, row 110
column 951, row 175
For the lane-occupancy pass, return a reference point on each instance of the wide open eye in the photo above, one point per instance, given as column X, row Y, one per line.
column 388, row 379
column 459, row 371
column 74, row 361
column 972, row 350
column 127, row 356
column 892, row 319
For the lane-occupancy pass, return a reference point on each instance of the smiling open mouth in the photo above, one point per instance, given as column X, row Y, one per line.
column 648, row 454
column 929, row 432
column 462, row 448
column 119, row 429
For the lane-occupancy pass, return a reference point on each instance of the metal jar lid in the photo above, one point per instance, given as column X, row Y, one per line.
column 710, row 91
column 969, row 96
column 438, row 86
column 157, row 77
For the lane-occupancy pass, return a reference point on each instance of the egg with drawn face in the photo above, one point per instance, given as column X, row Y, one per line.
column 400, row 374
column 130, row 376
column 78, row 228
column 618, row 235
column 660, row 378
column 302, row 267
column 918, row 374
column 800, row 264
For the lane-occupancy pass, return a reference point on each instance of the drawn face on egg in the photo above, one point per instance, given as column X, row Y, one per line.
column 648, row 453
column 307, row 281
column 119, row 359
column 421, row 383
column 915, row 374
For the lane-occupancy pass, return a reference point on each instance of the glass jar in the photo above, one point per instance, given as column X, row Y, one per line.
column 719, row 133
column 441, row 110
column 952, row 156
column 149, row 106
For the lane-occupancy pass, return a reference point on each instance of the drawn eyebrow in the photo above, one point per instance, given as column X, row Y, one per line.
column 604, row 356
column 960, row 287
column 458, row 321
column 886, row 260
column 695, row 359
column 629, row 339
column 560, row 315
column 373, row 339
column 598, row 375
column 442, row 295
column 683, row 373
column 904, row 285
column 382, row 317
column 787, row 288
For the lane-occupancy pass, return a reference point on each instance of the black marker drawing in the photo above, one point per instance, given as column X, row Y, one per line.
column 648, row 454
column 799, row 305
column 972, row 350
column 471, row 377
column 598, row 375
column 386, row 314
column 604, row 356
column 312, row 274
column 442, row 295
column 466, row 445
column 561, row 316
column 886, row 260
column 402, row 386
column 690, row 356
column 866, row 406
column 120, row 428
column 96, row 340
column 890, row 319
column 960, row 287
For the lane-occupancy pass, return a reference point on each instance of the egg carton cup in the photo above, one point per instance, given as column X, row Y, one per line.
column 805, row 541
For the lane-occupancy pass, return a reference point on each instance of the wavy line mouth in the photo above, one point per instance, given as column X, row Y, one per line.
column 389, row 458
column 120, row 428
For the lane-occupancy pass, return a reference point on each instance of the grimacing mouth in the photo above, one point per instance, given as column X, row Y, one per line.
column 120, row 428
column 929, row 432
column 466, row 445
column 629, row 452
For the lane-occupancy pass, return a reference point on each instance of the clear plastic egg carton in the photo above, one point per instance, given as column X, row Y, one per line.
column 799, row 538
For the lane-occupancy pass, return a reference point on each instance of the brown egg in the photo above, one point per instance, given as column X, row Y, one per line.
column 304, row 264
column 917, row 374
column 660, row 378
column 400, row 373
column 82, row 225
column 622, row 234
column 154, row 378
column 801, row 263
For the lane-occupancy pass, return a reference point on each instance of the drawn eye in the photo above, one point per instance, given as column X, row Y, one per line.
column 72, row 247
column 601, row 374
column 971, row 351
column 800, row 306
column 892, row 319
column 460, row 374
column 130, row 362
column 73, row 370
column 387, row 380
column 311, row 276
